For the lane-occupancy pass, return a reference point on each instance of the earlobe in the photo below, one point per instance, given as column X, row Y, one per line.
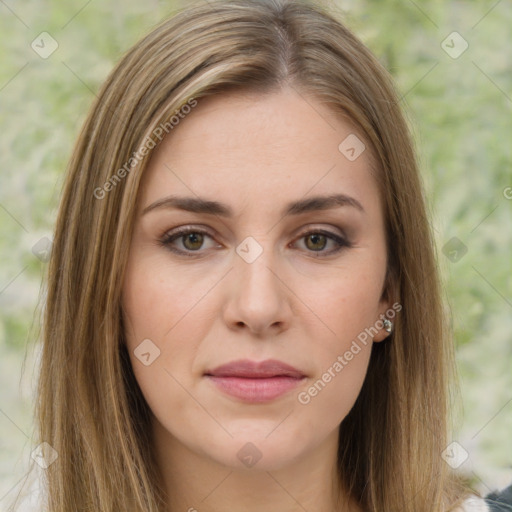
column 388, row 327
column 385, row 326
column 385, row 323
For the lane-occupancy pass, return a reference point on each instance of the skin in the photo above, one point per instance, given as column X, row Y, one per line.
column 256, row 153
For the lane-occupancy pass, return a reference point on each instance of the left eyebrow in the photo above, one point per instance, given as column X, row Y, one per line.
column 200, row 205
column 322, row 203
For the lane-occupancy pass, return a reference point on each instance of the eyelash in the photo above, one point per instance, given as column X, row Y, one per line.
column 169, row 237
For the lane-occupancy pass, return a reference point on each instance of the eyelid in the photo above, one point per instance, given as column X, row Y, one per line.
column 175, row 234
column 188, row 228
column 341, row 241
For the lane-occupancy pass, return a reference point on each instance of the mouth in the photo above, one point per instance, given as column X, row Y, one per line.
column 255, row 382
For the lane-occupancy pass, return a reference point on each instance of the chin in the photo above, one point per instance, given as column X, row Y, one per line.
column 267, row 448
column 248, row 455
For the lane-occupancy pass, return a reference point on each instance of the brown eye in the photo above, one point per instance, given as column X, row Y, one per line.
column 316, row 241
column 187, row 241
column 193, row 241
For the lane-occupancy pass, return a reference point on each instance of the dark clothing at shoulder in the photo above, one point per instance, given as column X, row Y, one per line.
column 500, row 501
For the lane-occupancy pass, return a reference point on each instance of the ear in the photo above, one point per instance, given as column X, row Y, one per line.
column 387, row 308
column 384, row 306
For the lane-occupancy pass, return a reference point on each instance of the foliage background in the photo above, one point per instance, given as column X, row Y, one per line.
column 459, row 111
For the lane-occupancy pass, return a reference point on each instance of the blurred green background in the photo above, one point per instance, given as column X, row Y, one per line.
column 458, row 101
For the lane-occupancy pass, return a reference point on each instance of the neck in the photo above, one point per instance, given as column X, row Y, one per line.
column 196, row 483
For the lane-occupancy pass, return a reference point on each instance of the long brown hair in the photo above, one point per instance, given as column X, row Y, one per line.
column 90, row 408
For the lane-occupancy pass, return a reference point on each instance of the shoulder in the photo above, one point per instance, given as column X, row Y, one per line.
column 497, row 501
column 500, row 500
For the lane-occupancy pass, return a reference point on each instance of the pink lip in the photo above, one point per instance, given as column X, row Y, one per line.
column 255, row 382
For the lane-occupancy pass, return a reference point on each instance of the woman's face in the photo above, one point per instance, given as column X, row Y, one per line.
column 270, row 270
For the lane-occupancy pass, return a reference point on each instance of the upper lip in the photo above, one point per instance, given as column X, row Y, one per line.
column 256, row 370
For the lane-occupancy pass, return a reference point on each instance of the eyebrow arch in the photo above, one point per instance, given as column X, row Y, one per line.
column 199, row 205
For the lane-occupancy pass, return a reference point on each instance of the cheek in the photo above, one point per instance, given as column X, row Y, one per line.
column 165, row 314
column 328, row 399
column 155, row 309
column 343, row 353
column 159, row 302
column 347, row 307
column 345, row 304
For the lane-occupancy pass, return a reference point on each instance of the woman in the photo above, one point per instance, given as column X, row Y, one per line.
column 243, row 305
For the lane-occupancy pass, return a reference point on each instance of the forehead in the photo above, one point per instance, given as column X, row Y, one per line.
column 250, row 148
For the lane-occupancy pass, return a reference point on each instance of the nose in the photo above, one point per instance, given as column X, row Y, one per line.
column 258, row 298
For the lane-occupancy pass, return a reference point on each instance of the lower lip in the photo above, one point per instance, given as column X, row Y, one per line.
column 256, row 390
